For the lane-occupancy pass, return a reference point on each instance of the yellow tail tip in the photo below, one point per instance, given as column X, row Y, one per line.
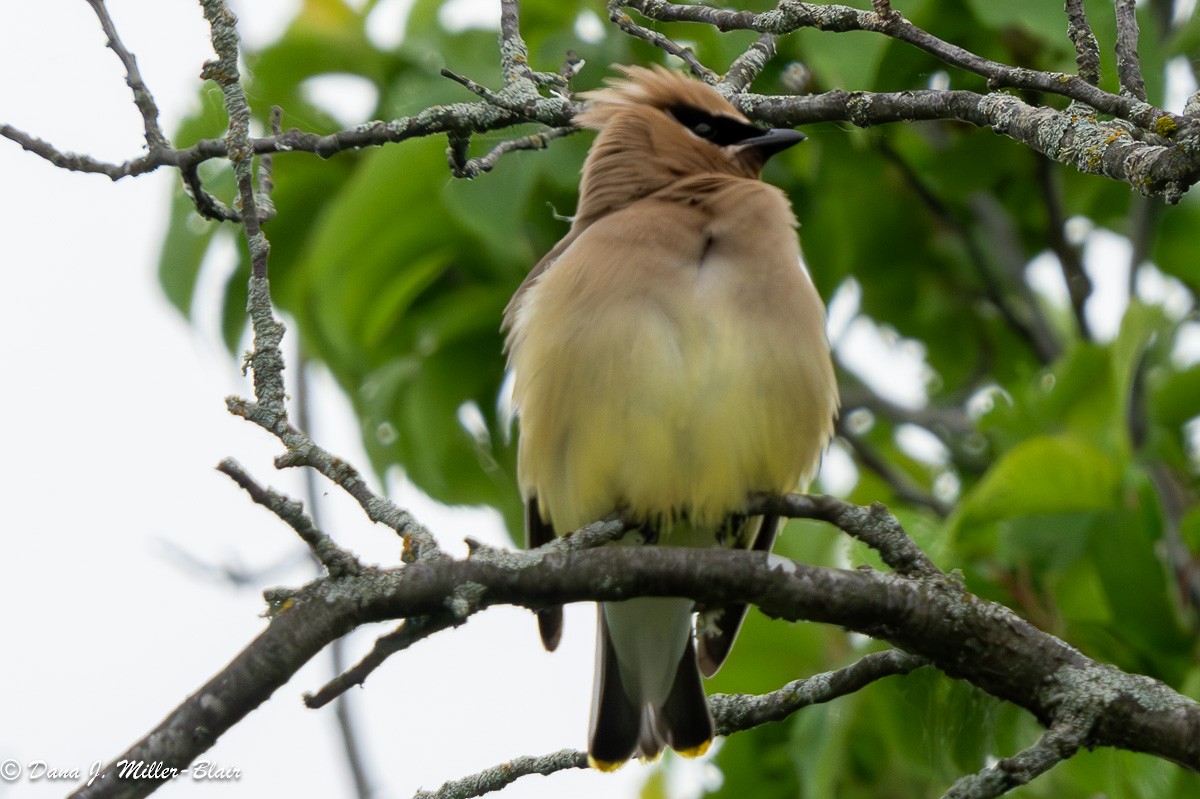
column 607, row 766
column 695, row 751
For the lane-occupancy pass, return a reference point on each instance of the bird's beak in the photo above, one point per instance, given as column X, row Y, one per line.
column 772, row 141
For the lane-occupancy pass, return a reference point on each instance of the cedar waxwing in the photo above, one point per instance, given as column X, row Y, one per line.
column 669, row 360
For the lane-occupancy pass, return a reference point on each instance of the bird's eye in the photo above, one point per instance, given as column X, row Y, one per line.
column 716, row 128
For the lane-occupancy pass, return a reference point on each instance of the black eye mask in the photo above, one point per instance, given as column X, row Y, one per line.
column 720, row 130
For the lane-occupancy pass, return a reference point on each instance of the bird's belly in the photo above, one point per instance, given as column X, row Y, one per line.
column 665, row 408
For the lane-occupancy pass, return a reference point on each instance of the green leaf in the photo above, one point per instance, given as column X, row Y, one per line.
column 184, row 246
column 757, row 763
column 1045, row 474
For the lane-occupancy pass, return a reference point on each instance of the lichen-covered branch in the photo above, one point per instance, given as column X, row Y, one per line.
column 747, row 67
column 1167, row 164
column 337, row 561
column 932, row 618
column 874, row 525
column 142, row 97
column 419, row 628
column 1057, row 744
column 1087, row 50
column 1069, row 136
column 737, row 712
column 505, row 774
column 463, row 167
column 1129, row 67
column 792, row 15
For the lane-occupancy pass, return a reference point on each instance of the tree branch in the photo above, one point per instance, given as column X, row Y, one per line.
column 748, row 66
column 1059, row 743
column 508, row 772
column 684, row 54
column 1129, row 67
column 337, row 561
column 142, row 98
column 932, row 618
column 873, row 524
column 737, row 712
column 463, row 167
column 1019, row 316
column 419, row 628
column 1087, row 51
column 903, row 486
column 408, row 633
column 356, row 762
column 1067, row 136
column 790, row 15
column 1069, row 255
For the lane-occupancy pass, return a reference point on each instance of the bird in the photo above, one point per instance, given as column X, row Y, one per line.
column 668, row 360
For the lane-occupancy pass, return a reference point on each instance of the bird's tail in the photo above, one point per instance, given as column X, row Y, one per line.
column 648, row 693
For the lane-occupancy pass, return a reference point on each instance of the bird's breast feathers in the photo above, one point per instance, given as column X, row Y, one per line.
column 672, row 360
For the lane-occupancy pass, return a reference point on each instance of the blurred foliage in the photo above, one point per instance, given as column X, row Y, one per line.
column 396, row 275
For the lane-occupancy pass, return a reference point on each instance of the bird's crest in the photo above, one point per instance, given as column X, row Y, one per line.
column 655, row 87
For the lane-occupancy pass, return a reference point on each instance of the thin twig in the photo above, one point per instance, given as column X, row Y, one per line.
column 685, row 54
column 514, row 55
column 342, row 710
column 874, row 525
column 1144, row 216
column 736, row 712
column 1056, row 745
column 731, row 712
column 266, row 360
column 75, row 162
column 498, row 99
column 266, row 171
column 508, row 772
column 791, row 16
column 747, row 67
column 408, row 633
column 142, row 97
column 937, row 419
column 1026, row 328
column 336, row 560
column 1070, row 255
column 230, row 572
column 206, row 204
column 303, row 451
column 903, row 486
column 947, row 422
column 1087, row 50
column 1006, row 250
column 1129, row 68
column 474, row 167
column 419, row 628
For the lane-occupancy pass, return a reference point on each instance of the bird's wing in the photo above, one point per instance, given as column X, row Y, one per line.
column 537, row 533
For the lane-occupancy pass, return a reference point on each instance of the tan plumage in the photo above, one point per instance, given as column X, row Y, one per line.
column 669, row 359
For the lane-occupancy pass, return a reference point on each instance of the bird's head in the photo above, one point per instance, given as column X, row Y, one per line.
column 658, row 126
